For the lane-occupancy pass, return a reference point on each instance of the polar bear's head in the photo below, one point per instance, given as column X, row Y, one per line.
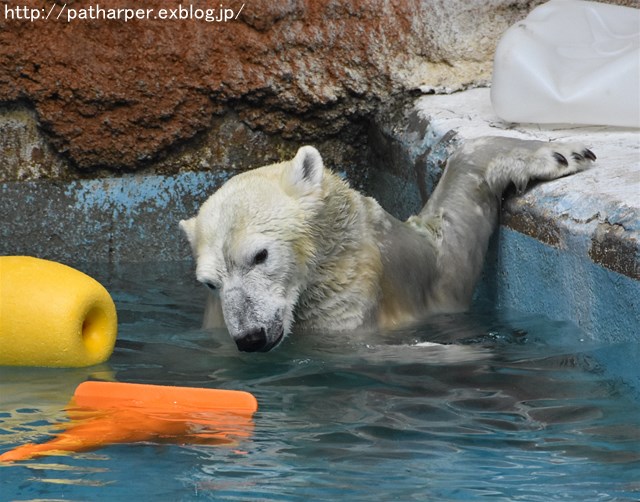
column 253, row 242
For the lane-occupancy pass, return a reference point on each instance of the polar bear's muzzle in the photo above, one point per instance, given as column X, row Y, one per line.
column 256, row 340
column 255, row 322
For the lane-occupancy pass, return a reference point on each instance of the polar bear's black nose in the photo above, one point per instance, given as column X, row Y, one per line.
column 252, row 341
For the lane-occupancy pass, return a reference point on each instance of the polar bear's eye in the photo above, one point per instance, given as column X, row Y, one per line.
column 210, row 285
column 260, row 257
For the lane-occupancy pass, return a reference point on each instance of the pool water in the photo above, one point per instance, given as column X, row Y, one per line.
column 511, row 407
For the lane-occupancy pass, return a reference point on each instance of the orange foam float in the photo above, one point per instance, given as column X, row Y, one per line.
column 104, row 413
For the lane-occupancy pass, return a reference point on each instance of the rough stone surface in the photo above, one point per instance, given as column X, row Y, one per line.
column 24, row 152
column 119, row 96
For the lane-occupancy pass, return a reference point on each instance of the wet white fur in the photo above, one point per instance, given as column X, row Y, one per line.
column 336, row 259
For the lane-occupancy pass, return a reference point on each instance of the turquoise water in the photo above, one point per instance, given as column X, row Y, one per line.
column 514, row 408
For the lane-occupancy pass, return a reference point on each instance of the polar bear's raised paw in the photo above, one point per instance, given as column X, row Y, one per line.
column 578, row 157
column 572, row 157
column 518, row 162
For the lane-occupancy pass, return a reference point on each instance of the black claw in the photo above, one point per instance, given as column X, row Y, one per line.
column 589, row 154
column 560, row 158
column 577, row 156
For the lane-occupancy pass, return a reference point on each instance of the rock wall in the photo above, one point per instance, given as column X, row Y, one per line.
column 169, row 94
column 114, row 95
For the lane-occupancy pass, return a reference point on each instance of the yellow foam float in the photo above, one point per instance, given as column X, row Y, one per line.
column 53, row 315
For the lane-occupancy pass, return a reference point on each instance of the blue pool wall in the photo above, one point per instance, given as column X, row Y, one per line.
column 127, row 219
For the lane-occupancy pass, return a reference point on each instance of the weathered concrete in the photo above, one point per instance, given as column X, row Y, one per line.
column 128, row 219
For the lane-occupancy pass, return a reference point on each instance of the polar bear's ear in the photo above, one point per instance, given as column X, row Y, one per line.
column 303, row 175
column 189, row 229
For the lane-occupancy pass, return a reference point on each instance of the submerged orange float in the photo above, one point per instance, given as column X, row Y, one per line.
column 104, row 413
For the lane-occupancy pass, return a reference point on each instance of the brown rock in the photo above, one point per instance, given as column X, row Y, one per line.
column 118, row 94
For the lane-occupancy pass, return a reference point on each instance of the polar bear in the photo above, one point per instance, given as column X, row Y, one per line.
column 292, row 245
